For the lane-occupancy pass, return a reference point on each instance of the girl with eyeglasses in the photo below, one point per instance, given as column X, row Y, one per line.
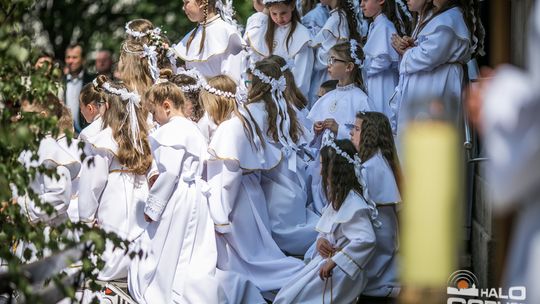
column 337, row 108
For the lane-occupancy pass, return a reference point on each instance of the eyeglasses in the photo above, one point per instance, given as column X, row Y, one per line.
column 333, row 60
column 247, row 83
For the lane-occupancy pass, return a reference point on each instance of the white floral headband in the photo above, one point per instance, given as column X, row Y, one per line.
column 210, row 89
column 136, row 34
column 265, row 2
column 283, row 119
column 133, row 100
column 359, row 170
column 354, row 56
column 195, row 74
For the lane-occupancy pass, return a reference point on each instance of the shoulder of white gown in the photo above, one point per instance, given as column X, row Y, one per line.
column 52, row 154
column 220, row 37
column 179, row 133
column 452, row 20
column 104, row 142
column 231, row 142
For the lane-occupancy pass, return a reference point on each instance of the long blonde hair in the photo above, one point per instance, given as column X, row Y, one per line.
column 116, row 118
column 219, row 108
column 134, row 70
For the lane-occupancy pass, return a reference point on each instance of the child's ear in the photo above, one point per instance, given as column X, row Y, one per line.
column 382, row 2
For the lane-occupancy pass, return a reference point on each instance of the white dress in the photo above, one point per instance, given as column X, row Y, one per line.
column 341, row 104
column 434, row 66
column 89, row 131
column 115, row 197
column 382, row 269
column 381, row 64
column 350, row 230
column 180, row 242
column 285, row 190
column 298, row 49
column 315, row 19
column 222, row 53
column 239, row 208
column 334, row 31
column 55, row 192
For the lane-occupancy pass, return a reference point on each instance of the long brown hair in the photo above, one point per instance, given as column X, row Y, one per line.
column 398, row 17
column 271, row 27
column 115, row 118
column 347, row 8
column 292, row 93
column 343, row 50
column 261, row 91
column 134, row 70
column 209, row 6
column 377, row 135
column 338, row 175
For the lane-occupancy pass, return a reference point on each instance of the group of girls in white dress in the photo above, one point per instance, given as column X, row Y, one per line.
column 216, row 158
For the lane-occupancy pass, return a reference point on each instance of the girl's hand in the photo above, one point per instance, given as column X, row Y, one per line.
column 331, row 125
column 324, row 248
column 147, row 218
column 326, row 269
column 318, row 127
column 152, row 180
column 401, row 44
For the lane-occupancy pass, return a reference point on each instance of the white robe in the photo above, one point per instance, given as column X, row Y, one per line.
column 382, row 269
column 434, row 66
column 298, row 49
column 349, row 229
column 115, row 197
column 341, row 104
column 381, row 64
column 315, row 19
column 291, row 223
column 239, row 208
column 222, row 53
column 52, row 191
column 181, row 261
column 334, row 31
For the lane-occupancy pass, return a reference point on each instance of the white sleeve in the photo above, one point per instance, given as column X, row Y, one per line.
column 54, row 192
column 353, row 258
column 169, row 163
column 224, row 179
column 321, row 57
column 432, row 51
column 303, row 67
column 94, row 176
column 378, row 64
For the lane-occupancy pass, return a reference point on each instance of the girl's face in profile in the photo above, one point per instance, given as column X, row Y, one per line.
column 356, row 133
column 193, row 10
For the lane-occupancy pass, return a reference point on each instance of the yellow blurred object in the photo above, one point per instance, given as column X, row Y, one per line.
column 430, row 224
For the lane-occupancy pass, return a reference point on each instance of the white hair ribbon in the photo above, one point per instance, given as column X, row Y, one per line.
column 133, row 100
column 283, row 122
column 150, row 53
column 354, row 56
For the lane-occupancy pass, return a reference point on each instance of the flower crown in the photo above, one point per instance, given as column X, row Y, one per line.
column 195, row 74
column 354, row 56
column 210, row 89
column 359, row 170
